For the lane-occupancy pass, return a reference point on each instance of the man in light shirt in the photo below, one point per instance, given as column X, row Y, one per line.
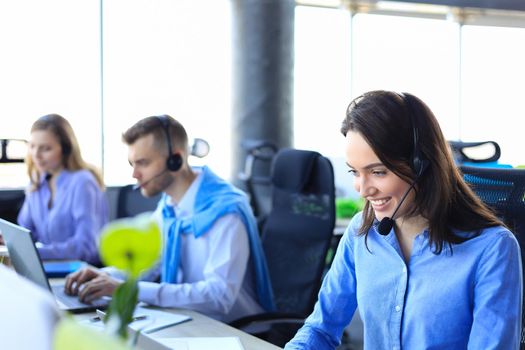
column 212, row 259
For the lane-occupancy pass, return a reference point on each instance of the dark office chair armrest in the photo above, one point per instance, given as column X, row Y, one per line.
column 12, row 150
column 459, row 147
column 267, row 318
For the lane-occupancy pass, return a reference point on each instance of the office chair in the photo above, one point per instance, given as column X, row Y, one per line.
column 483, row 154
column 131, row 202
column 12, row 150
column 11, row 202
column 503, row 190
column 296, row 237
column 256, row 178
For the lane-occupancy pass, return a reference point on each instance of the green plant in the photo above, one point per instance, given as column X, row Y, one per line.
column 133, row 246
column 348, row 207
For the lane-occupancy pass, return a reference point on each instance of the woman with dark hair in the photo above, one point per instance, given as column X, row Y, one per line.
column 65, row 205
column 426, row 262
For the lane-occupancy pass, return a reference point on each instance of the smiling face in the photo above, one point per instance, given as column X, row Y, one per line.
column 374, row 181
column 45, row 151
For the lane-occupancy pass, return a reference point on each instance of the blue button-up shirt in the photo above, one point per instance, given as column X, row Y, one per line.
column 467, row 298
column 71, row 227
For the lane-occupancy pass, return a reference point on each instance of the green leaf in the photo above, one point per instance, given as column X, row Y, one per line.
column 122, row 306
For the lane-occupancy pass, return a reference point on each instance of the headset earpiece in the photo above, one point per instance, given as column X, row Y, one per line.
column 174, row 160
column 418, row 162
column 420, row 165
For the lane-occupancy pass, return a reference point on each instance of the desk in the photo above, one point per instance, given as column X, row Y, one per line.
column 199, row 326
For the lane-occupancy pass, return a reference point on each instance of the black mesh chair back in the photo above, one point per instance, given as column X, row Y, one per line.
column 298, row 231
column 296, row 237
column 504, row 191
column 255, row 178
column 131, row 202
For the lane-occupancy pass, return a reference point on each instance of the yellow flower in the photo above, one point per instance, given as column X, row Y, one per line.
column 131, row 244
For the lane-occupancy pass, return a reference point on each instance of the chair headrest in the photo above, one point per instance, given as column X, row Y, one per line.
column 291, row 169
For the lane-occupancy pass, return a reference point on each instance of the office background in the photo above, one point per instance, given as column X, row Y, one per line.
column 105, row 64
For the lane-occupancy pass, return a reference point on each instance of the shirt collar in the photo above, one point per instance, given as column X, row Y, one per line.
column 63, row 174
column 187, row 202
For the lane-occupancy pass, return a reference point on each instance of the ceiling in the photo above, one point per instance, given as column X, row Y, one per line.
column 518, row 5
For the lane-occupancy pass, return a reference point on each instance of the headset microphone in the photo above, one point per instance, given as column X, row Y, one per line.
column 139, row 185
column 385, row 225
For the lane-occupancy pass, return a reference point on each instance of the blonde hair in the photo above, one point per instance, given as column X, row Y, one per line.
column 71, row 156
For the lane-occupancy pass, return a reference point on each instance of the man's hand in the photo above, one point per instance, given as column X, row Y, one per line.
column 90, row 284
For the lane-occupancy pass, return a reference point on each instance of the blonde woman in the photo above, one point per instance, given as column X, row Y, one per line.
column 65, row 205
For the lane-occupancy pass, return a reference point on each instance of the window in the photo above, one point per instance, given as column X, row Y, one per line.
column 166, row 57
column 493, row 73
column 146, row 58
column 322, row 78
column 415, row 55
column 470, row 76
column 104, row 68
column 49, row 64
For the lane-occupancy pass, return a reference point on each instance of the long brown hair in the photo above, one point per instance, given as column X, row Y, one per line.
column 71, row 156
column 387, row 120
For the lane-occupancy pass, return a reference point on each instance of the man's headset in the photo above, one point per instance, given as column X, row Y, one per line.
column 418, row 163
column 174, row 160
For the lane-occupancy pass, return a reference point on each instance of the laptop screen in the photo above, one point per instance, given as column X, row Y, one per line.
column 26, row 261
column 23, row 254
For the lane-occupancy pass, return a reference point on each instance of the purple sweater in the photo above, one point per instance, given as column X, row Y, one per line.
column 70, row 228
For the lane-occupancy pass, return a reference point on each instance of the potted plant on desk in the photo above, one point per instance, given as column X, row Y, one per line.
column 133, row 246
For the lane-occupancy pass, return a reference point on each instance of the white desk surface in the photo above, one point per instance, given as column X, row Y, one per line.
column 199, row 326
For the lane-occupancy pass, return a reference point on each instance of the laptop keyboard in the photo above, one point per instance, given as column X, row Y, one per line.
column 72, row 301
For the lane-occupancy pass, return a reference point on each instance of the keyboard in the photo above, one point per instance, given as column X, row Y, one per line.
column 71, row 302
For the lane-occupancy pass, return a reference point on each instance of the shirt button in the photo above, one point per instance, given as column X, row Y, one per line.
column 398, row 308
column 404, row 269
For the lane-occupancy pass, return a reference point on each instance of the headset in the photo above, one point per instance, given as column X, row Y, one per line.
column 174, row 160
column 418, row 161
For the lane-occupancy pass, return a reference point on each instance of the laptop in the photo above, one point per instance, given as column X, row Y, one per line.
column 26, row 262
